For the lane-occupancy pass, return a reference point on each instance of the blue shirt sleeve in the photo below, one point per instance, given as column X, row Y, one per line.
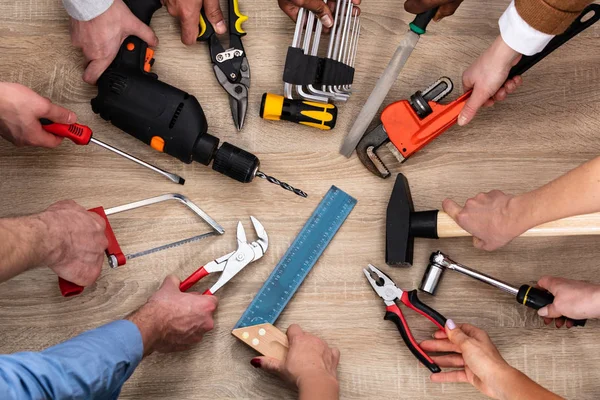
column 94, row 364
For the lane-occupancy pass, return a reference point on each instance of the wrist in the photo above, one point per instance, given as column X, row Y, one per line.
column 319, row 382
column 508, row 379
column 148, row 327
column 520, row 214
column 503, row 53
column 51, row 237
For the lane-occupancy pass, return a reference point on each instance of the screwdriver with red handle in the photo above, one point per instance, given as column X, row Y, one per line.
column 82, row 135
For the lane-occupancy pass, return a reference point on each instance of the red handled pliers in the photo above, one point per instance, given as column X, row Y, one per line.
column 230, row 264
column 390, row 293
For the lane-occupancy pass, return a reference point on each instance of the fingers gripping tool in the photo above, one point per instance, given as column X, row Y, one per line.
column 230, row 264
column 385, row 288
column 117, row 258
column 230, row 65
column 409, row 125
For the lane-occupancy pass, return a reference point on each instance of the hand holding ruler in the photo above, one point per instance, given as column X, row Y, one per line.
column 255, row 327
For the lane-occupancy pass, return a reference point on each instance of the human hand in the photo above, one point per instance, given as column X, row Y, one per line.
column 20, row 111
column 493, row 218
column 309, row 362
column 487, row 76
column 474, row 352
column 188, row 13
column 322, row 11
column 101, row 37
column 446, row 7
column 572, row 299
column 172, row 320
column 75, row 242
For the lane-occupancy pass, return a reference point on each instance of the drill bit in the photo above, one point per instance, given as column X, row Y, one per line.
column 284, row 185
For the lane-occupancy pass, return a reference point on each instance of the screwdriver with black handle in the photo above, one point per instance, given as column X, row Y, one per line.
column 310, row 113
column 164, row 117
column 82, row 136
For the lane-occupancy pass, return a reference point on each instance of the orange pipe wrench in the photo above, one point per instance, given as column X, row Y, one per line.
column 409, row 125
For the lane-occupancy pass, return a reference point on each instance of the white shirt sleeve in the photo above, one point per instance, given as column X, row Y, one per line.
column 519, row 35
column 85, row 10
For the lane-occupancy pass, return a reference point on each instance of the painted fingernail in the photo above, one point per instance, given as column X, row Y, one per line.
column 326, row 21
column 462, row 120
column 255, row 362
column 220, row 28
column 450, row 324
column 542, row 312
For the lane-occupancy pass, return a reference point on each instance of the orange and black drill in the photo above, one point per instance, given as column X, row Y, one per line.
column 168, row 119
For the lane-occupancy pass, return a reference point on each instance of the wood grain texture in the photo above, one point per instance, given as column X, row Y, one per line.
column 548, row 127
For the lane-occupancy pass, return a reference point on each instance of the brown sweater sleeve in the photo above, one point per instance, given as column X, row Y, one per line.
column 550, row 16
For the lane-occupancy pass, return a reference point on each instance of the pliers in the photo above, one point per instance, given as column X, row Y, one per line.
column 231, row 66
column 390, row 293
column 230, row 264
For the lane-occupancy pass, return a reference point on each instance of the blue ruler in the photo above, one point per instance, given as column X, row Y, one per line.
column 299, row 259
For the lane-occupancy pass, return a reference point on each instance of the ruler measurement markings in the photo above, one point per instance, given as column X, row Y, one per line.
column 291, row 271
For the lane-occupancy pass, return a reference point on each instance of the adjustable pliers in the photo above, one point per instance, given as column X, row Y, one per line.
column 231, row 66
column 390, row 293
column 230, row 264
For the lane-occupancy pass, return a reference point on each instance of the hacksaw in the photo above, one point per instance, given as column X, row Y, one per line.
column 255, row 327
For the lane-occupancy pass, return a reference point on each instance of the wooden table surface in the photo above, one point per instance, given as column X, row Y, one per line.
column 548, row 127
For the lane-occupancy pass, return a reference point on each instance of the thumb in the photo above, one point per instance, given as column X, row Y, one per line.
column 455, row 334
column 171, row 282
column 473, row 104
column 94, row 69
column 321, row 10
column 451, row 208
column 143, row 31
column 269, row 364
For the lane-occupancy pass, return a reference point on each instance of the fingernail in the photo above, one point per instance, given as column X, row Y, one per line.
column 462, row 120
column 326, row 21
column 220, row 28
column 542, row 312
column 450, row 324
column 255, row 362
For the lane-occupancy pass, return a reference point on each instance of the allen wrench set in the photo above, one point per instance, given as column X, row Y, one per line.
column 312, row 83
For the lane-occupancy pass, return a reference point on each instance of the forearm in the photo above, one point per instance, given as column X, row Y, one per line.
column 321, row 387
column 518, row 386
column 23, row 245
column 149, row 326
column 575, row 193
column 94, row 364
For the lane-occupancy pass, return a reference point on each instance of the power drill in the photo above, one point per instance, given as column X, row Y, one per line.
column 168, row 119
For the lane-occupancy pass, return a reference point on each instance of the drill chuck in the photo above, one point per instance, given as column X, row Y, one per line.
column 236, row 163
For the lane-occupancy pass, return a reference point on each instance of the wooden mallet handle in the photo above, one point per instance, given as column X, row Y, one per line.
column 586, row 224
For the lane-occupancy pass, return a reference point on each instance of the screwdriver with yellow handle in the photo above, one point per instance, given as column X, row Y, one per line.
column 82, row 135
column 310, row 113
